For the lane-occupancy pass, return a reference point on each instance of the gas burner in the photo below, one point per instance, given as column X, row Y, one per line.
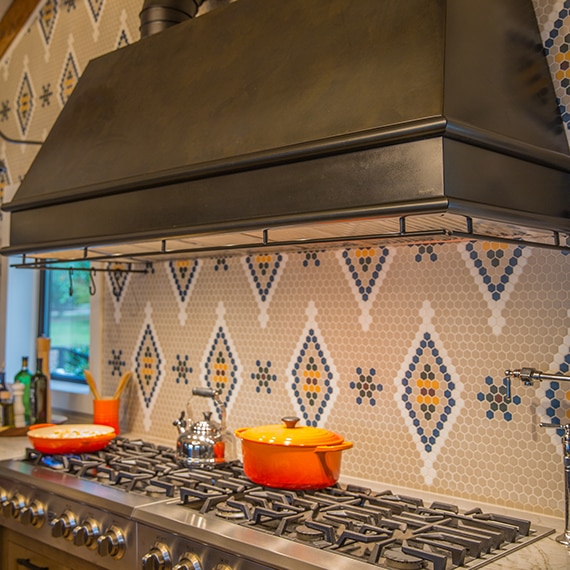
column 395, row 558
column 306, row 534
column 229, row 511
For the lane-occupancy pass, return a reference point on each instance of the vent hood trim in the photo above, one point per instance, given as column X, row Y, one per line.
column 390, row 135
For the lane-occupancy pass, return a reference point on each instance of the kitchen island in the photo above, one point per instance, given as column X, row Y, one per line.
column 545, row 554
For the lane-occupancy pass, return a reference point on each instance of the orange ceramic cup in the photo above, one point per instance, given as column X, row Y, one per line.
column 106, row 412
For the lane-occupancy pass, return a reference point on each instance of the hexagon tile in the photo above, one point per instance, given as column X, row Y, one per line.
column 117, row 282
column 182, row 275
column 314, row 385
column 428, row 393
column 263, row 272
column 365, row 269
column 496, row 398
column 496, row 268
column 148, row 366
column 555, row 396
column 221, row 367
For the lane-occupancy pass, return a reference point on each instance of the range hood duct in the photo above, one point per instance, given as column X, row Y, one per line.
column 268, row 115
column 158, row 15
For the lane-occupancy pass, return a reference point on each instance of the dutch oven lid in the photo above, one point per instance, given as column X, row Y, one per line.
column 290, row 434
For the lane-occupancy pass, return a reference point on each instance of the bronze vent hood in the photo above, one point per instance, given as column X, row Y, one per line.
column 294, row 123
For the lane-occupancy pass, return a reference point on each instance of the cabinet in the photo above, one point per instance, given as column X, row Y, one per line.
column 34, row 555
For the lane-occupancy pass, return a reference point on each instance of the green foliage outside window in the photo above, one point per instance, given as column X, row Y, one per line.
column 68, row 311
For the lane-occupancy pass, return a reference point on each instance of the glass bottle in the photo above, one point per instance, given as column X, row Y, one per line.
column 6, row 403
column 24, row 377
column 38, row 395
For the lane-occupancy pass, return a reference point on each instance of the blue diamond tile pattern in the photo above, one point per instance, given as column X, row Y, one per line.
column 221, row 367
column 148, row 366
column 313, row 388
column 117, row 282
column 183, row 275
column 47, row 19
column 263, row 273
column 365, row 269
column 554, row 396
column 123, row 39
column 25, row 103
column 496, row 268
column 69, row 79
column 95, row 8
column 428, row 393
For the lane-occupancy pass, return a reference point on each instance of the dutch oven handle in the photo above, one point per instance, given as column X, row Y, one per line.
column 339, row 447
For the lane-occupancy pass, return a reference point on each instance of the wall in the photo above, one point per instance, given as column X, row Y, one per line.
column 401, row 349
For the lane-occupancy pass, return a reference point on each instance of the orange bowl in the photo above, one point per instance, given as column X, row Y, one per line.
column 70, row 438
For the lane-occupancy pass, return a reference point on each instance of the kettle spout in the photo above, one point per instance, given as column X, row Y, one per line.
column 180, row 423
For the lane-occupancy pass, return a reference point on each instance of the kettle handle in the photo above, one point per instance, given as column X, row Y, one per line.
column 205, row 392
column 215, row 395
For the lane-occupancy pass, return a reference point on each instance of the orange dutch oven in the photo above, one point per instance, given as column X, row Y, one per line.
column 290, row 456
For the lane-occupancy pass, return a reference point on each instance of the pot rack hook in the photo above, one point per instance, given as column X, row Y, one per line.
column 92, row 285
column 70, row 282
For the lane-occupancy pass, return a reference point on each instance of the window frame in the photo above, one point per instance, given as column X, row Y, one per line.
column 44, row 325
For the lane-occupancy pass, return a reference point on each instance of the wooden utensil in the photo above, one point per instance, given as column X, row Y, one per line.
column 122, row 385
column 92, row 385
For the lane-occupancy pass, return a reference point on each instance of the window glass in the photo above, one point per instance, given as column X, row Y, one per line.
column 64, row 318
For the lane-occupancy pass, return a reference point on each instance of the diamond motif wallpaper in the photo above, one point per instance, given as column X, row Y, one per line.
column 402, row 349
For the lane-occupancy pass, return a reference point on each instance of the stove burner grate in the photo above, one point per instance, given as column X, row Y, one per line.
column 385, row 529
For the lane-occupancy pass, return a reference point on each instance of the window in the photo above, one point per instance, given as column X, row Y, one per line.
column 65, row 319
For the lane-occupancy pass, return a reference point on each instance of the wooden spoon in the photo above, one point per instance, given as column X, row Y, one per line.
column 92, row 385
column 122, row 384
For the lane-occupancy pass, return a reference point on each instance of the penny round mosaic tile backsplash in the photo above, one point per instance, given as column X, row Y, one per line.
column 401, row 349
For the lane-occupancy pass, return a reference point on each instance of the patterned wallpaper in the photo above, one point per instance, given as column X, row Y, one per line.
column 401, row 349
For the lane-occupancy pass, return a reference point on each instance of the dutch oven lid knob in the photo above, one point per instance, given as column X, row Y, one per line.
column 290, row 421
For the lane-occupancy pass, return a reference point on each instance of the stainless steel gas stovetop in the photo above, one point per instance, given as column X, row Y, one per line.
column 132, row 506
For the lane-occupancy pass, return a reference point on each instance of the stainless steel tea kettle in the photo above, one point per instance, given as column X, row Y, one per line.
column 202, row 441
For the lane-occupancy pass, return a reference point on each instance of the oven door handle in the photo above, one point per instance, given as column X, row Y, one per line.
column 25, row 563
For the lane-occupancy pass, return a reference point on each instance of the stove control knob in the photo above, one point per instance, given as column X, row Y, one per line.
column 12, row 507
column 112, row 543
column 62, row 526
column 34, row 514
column 157, row 558
column 86, row 533
column 188, row 561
